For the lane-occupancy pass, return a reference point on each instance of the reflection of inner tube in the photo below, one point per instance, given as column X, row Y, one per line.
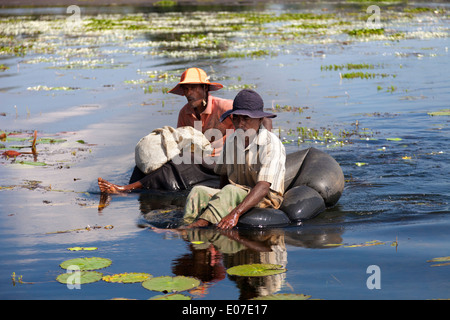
column 314, row 181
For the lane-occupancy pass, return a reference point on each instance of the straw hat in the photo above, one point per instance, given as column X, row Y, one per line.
column 195, row 76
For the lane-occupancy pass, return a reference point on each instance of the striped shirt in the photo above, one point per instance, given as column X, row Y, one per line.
column 262, row 160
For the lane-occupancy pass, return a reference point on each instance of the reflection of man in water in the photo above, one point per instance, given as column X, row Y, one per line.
column 212, row 251
column 262, row 247
column 204, row 261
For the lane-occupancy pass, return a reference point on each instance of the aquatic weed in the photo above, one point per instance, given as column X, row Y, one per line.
column 365, row 32
column 348, row 66
column 364, row 75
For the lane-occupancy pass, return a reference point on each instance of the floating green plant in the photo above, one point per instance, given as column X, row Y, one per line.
column 348, row 66
column 173, row 296
column 309, row 26
column 82, row 248
column 442, row 112
column 100, row 24
column 149, row 89
column 32, row 163
column 366, row 244
column 165, row 3
column 82, row 277
column 126, row 277
column 50, row 140
column 171, row 284
column 258, row 53
column 286, row 108
column 42, row 156
column 364, row 75
column 365, row 32
column 256, row 270
column 86, row 264
column 391, row 89
column 360, row 164
column 178, row 35
column 17, row 50
column 419, row 9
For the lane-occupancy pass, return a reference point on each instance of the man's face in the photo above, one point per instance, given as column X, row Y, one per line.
column 195, row 94
column 245, row 122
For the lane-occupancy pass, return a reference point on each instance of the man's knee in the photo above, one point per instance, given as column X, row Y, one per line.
column 229, row 188
column 196, row 190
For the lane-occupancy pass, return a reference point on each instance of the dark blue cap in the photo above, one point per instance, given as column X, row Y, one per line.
column 248, row 103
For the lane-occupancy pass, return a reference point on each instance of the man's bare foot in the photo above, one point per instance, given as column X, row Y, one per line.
column 108, row 187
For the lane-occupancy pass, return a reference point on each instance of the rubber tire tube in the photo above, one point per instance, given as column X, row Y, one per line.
column 263, row 218
column 302, row 203
column 322, row 173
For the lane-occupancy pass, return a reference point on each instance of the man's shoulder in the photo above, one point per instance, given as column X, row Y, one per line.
column 268, row 136
column 268, row 139
column 221, row 103
column 186, row 109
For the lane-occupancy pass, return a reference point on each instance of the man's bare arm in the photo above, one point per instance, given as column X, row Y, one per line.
column 255, row 195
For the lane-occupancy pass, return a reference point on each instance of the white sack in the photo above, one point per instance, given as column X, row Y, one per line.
column 163, row 144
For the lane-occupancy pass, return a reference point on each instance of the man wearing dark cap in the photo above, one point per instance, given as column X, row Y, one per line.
column 252, row 169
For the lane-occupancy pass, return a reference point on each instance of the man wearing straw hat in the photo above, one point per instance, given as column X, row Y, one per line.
column 252, row 169
column 201, row 107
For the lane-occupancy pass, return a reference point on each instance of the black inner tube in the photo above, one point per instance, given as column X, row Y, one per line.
column 314, row 181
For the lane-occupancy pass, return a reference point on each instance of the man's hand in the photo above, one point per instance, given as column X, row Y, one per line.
column 255, row 195
column 230, row 220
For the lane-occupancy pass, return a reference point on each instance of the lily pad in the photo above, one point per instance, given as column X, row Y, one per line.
column 170, row 284
column 82, row 248
column 360, row 164
column 50, row 140
column 256, row 270
column 284, row 296
column 84, row 277
column 394, row 139
column 87, row 263
column 443, row 112
column 33, row 163
column 333, row 244
column 173, row 296
column 9, row 139
column 126, row 277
